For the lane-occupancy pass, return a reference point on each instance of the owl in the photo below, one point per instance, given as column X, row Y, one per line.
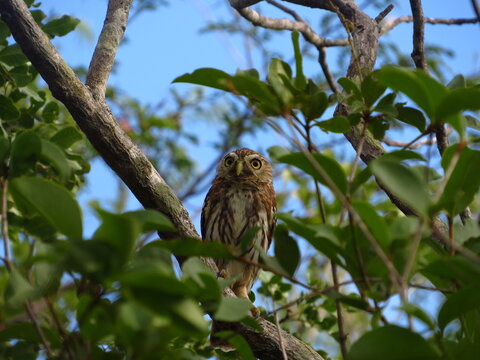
column 241, row 197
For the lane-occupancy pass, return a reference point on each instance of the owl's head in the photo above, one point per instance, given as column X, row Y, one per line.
column 245, row 165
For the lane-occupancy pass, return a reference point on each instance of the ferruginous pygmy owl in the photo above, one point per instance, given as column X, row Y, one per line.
column 241, row 198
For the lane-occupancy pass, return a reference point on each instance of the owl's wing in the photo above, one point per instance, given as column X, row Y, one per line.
column 272, row 226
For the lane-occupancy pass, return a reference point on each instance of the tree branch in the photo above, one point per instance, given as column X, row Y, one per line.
column 95, row 119
column 476, row 8
column 389, row 24
column 285, row 24
column 104, row 56
column 418, row 53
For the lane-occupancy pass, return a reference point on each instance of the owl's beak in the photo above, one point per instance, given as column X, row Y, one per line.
column 239, row 168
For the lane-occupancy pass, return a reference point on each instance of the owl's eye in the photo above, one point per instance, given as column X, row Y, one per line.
column 256, row 164
column 228, row 161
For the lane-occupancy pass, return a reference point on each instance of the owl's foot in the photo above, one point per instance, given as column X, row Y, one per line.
column 222, row 274
column 255, row 312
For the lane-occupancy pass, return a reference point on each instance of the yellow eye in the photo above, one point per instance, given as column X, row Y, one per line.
column 256, row 164
column 228, row 161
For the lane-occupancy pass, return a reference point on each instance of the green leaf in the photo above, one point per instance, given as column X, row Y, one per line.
column 412, row 116
column 13, row 55
column 338, row 124
column 56, row 156
column 279, row 74
column 22, row 75
column 61, row 26
column 53, row 202
column 335, row 173
column 300, row 80
column 232, row 309
column 26, row 149
column 8, row 110
column 257, row 91
column 238, row 342
column 403, row 154
column 315, row 105
column 403, row 183
column 350, row 87
column 458, row 304
column 393, row 343
column 194, row 247
column 50, row 111
column 376, row 224
column 210, row 77
column 372, row 89
column 151, row 220
column 66, row 137
column 418, row 312
column 464, row 181
column 322, row 237
column 458, row 100
column 457, row 82
column 286, row 250
column 18, row 290
column 406, row 81
column 120, row 231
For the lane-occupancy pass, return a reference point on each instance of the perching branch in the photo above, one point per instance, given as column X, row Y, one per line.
column 104, row 56
column 95, row 119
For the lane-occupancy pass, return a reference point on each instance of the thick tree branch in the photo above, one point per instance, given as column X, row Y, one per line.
column 95, row 119
column 104, row 56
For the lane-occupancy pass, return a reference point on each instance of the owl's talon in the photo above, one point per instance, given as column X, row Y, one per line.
column 255, row 312
column 222, row 274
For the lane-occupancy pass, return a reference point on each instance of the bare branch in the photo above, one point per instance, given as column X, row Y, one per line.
column 416, row 145
column 104, row 56
column 240, row 4
column 285, row 24
column 315, row 4
column 418, row 53
column 389, row 24
column 342, row 336
column 322, row 60
column 476, row 8
column 384, row 13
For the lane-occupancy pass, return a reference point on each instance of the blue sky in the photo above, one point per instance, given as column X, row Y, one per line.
column 166, row 43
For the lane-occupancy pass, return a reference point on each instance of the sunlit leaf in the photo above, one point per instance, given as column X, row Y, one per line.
column 393, row 343
column 53, row 202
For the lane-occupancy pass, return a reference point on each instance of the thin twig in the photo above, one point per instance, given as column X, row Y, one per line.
column 322, row 60
column 416, row 145
column 384, row 13
column 391, row 23
column 38, row 329
column 6, row 241
column 340, row 320
column 282, row 345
